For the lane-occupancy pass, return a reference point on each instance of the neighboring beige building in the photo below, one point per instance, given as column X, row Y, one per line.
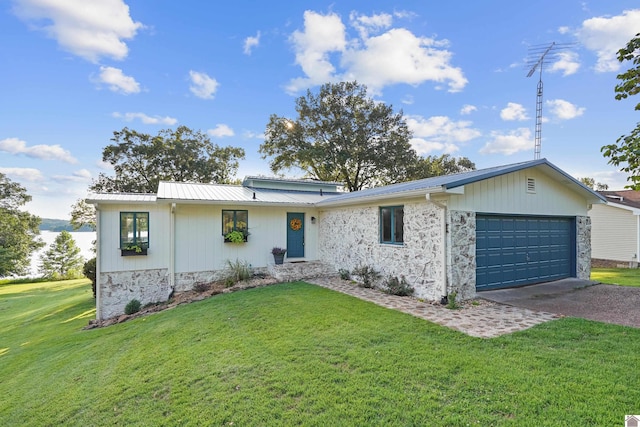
column 615, row 229
column 499, row 227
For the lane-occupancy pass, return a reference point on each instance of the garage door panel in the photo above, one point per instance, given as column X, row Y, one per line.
column 515, row 251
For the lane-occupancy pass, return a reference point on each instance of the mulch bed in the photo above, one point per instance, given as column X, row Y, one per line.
column 209, row 290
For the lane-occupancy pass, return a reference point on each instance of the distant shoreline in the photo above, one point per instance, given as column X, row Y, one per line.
column 58, row 225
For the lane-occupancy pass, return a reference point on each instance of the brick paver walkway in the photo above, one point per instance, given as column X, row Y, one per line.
column 485, row 320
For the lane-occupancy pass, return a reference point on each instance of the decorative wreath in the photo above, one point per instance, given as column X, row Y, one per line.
column 295, row 224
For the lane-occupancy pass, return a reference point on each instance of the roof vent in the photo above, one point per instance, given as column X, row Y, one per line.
column 619, row 198
column 531, row 185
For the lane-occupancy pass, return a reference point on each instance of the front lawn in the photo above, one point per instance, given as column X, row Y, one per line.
column 617, row 276
column 297, row 354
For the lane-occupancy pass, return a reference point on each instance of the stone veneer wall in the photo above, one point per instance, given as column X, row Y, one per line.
column 349, row 237
column 583, row 247
column 462, row 254
column 118, row 288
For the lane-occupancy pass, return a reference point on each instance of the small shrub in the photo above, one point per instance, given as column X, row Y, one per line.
column 399, row 287
column 367, row 275
column 89, row 270
column 344, row 274
column 201, row 287
column 451, row 301
column 132, row 306
column 237, row 271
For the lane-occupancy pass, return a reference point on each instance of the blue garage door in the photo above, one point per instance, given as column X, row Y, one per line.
column 521, row 250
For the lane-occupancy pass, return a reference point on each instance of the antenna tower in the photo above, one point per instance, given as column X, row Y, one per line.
column 538, row 55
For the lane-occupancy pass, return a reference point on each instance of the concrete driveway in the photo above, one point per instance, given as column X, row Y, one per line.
column 575, row 297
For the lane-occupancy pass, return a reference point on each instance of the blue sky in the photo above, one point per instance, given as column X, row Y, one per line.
column 74, row 71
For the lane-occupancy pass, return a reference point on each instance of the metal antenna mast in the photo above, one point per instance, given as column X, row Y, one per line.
column 537, row 56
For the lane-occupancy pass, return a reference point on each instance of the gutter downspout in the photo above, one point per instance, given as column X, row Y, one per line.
column 172, row 248
column 98, row 264
column 445, row 276
column 637, row 260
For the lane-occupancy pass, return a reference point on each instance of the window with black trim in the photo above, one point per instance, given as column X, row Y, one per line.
column 392, row 224
column 235, row 220
column 134, row 230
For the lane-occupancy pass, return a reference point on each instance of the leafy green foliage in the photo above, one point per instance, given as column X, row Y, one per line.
column 235, row 236
column 592, row 184
column 83, row 215
column 89, row 270
column 367, row 274
column 62, row 260
column 132, row 307
column 429, row 166
column 341, row 135
column 394, row 286
column 141, row 161
column 296, row 354
column 19, row 230
column 344, row 274
column 452, row 304
column 626, row 151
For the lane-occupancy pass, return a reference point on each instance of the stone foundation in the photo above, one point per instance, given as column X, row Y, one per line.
column 290, row 271
column 118, row 288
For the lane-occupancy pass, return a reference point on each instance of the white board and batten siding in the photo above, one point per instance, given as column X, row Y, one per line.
column 200, row 244
column 111, row 259
column 512, row 194
column 614, row 233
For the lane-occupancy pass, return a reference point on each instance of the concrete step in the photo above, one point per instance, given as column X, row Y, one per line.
column 292, row 271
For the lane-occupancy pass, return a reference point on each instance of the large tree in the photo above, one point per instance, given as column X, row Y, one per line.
column 444, row 165
column 62, row 260
column 141, row 161
column 342, row 135
column 18, row 229
column 626, row 151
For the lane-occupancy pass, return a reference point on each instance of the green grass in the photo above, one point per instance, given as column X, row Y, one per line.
column 617, row 276
column 297, row 354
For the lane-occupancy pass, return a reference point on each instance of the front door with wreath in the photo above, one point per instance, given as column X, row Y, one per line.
column 295, row 234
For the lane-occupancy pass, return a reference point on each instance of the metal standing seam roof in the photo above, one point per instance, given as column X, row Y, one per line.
column 180, row 191
column 444, row 182
column 203, row 193
column 120, row 197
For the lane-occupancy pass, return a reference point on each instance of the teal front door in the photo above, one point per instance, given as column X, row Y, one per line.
column 295, row 235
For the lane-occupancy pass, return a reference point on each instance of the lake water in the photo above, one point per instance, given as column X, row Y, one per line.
column 83, row 240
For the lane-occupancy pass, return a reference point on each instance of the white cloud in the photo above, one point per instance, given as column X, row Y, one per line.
column 567, row 63
column 564, row 110
column 251, row 42
column 104, row 165
column 24, row 174
column 202, row 85
column 407, row 59
column 468, row 109
column 439, row 133
column 253, row 135
column 42, row 152
column 364, row 24
column 82, row 175
column 510, row 143
column 220, row 131
column 606, row 35
column 118, row 81
column 564, row 30
column 147, row 120
column 514, row 111
column 322, row 35
column 395, row 56
column 89, row 29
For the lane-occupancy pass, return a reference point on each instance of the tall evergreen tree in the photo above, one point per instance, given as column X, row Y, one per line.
column 62, row 260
